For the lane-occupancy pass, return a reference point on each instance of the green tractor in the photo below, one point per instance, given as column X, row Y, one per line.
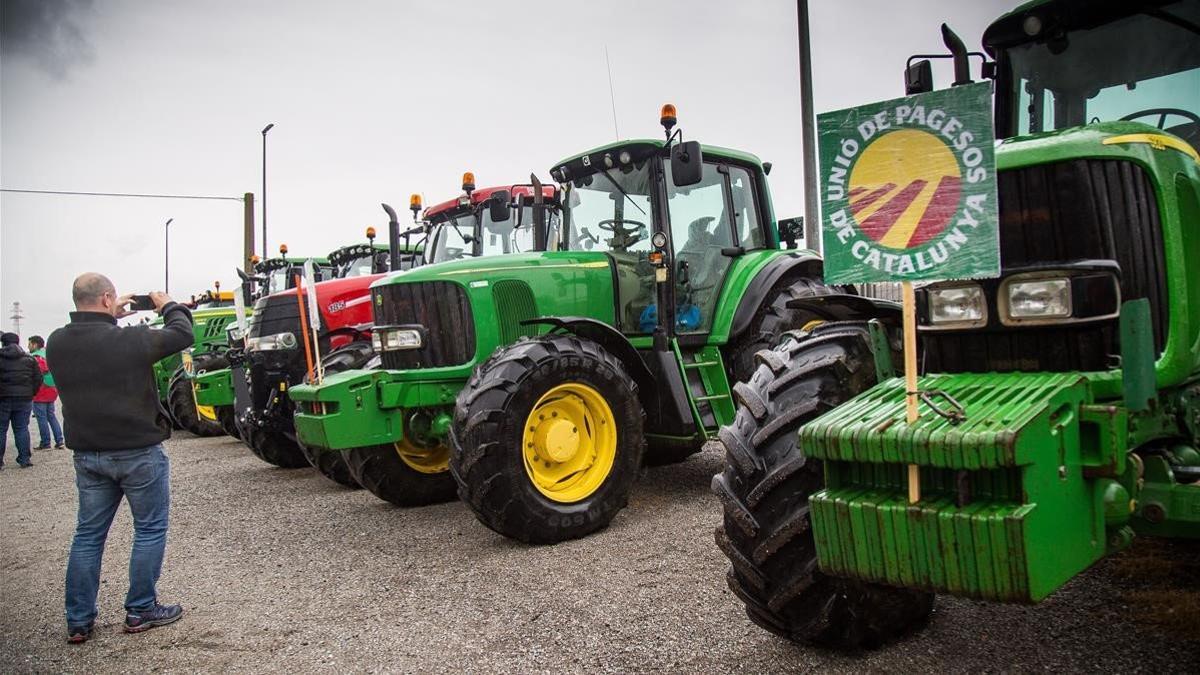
column 538, row 384
column 212, row 311
column 1066, row 418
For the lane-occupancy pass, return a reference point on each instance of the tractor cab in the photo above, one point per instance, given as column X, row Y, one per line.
column 665, row 209
column 1057, row 68
column 487, row 221
column 212, row 299
column 277, row 274
column 361, row 260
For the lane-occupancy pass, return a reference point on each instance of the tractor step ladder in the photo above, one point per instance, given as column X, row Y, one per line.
column 704, row 373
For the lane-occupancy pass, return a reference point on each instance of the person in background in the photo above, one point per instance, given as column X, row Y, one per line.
column 115, row 426
column 20, row 379
column 43, row 400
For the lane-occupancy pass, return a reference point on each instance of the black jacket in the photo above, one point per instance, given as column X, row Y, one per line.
column 16, row 373
column 105, row 378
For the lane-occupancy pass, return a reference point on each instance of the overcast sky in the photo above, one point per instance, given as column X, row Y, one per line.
column 373, row 101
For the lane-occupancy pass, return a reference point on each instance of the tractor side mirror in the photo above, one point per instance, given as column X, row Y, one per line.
column 687, row 164
column 791, row 230
column 918, row 78
column 498, row 206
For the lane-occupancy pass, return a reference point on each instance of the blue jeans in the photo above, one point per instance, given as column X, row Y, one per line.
column 47, row 422
column 15, row 412
column 141, row 476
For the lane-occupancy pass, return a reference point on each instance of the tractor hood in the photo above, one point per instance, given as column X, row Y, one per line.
column 465, row 308
column 1135, row 141
column 556, row 267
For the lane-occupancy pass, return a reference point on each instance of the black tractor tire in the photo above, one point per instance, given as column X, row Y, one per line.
column 329, row 463
column 181, row 398
column 275, row 447
column 764, row 491
column 226, row 415
column 772, row 320
column 770, row 323
column 487, row 457
column 384, row 474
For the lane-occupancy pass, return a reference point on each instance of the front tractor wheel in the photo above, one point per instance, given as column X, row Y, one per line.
column 403, row 473
column 275, row 447
column 765, row 487
column 200, row 420
column 547, row 439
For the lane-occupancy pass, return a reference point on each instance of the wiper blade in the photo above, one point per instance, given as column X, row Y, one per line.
column 623, row 192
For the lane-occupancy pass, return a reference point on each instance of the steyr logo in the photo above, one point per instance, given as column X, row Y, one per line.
column 909, row 189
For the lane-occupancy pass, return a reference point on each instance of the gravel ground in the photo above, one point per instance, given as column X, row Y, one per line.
column 283, row 570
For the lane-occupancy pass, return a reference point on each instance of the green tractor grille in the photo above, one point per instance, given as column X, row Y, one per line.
column 1007, row 509
column 514, row 304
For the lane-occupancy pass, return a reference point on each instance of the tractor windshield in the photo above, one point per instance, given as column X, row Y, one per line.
column 361, row 266
column 610, row 210
column 452, row 238
column 1145, row 67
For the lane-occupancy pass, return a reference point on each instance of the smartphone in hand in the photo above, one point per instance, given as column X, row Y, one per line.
column 141, row 303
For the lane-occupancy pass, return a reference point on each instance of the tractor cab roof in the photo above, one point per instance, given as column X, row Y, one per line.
column 1049, row 20
column 608, row 156
column 283, row 262
column 480, row 196
column 211, row 299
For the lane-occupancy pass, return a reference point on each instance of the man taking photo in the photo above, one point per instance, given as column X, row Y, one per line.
column 115, row 427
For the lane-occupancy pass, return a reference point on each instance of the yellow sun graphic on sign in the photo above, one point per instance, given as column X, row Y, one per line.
column 905, row 188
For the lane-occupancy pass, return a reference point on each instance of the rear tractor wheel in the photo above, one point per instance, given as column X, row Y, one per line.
column 547, row 439
column 200, row 420
column 764, row 490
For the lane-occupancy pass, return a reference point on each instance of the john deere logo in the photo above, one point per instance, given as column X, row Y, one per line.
column 909, row 189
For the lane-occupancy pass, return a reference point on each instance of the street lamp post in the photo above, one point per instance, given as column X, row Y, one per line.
column 167, row 256
column 264, row 190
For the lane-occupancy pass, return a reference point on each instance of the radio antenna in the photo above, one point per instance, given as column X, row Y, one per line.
column 612, row 98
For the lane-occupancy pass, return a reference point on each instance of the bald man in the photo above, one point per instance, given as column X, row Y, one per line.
column 115, row 426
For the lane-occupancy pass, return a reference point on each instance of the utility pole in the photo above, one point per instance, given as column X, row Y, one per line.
column 808, row 135
column 16, row 317
column 248, row 231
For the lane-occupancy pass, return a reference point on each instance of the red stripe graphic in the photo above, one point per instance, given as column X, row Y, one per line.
column 857, row 191
column 939, row 212
column 882, row 220
column 863, row 203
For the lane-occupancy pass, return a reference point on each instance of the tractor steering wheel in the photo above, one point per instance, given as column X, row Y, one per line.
column 1162, row 115
column 616, row 226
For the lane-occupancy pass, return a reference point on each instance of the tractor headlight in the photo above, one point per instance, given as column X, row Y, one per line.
column 274, row 342
column 956, row 306
column 386, row 339
column 1035, row 300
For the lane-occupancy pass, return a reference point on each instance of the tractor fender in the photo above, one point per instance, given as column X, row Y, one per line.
column 846, row 307
column 802, row 262
column 615, row 343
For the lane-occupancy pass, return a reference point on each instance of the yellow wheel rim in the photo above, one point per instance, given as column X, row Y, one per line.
column 569, row 442
column 207, row 412
column 425, row 460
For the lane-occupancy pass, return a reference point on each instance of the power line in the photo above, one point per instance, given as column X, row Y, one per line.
column 119, row 194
